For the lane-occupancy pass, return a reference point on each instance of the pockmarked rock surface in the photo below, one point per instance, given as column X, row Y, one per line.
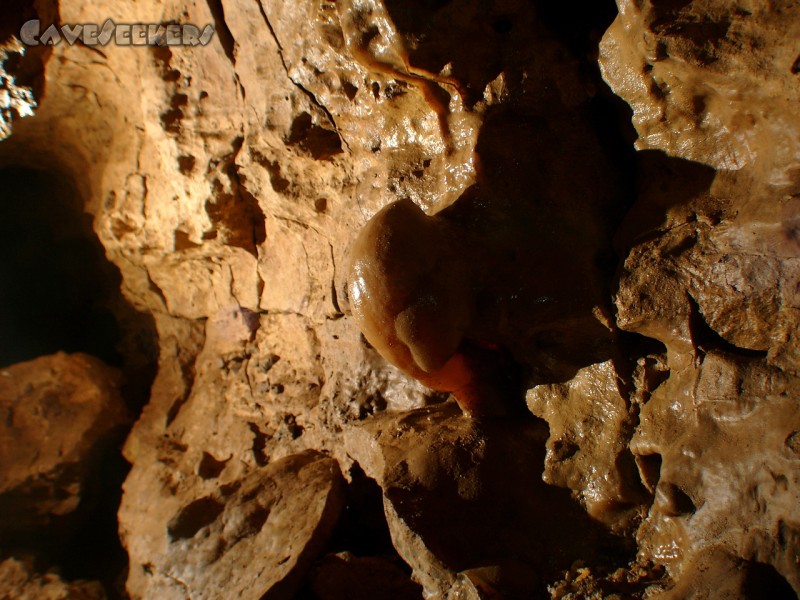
column 253, row 537
column 62, row 413
column 637, row 286
column 590, row 424
column 711, row 271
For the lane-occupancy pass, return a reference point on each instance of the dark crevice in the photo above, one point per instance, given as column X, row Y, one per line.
column 649, row 466
column 173, row 411
column 223, row 31
column 210, row 467
column 319, row 142
column 299, row 86
column 260, row 440
column 674, row 501
column 707, row 340
column 362, row 528
column 237, row 216
column 193, row 517
column 61, row 293
column 578, row 25
column 362, row 532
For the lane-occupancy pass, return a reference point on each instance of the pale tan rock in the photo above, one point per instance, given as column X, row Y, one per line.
column 61, row 414
column 198, row 285
column 19, row 581
column 250, row 538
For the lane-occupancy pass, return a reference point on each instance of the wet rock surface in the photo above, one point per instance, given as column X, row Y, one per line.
column 621, row 302
column 711, row 273
column 465, row 506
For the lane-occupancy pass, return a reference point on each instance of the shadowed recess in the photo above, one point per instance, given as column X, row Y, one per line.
column 56, row 281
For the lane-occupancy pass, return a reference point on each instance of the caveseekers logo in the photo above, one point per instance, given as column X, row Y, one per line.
column 121, row 34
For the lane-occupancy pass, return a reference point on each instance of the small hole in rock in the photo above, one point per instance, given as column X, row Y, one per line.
column 649, row 466
column 259, row 445
column 210, row 467
column 182, row 241
column 793, row 442
column 564, row 450
column 193, row 517
column 673, row 501
column 186, row 164
column 764, row 582
column 349, row 90
column 321, row 143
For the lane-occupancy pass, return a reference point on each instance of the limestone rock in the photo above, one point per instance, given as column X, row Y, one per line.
column 743, row 494
column 227, row 184
column 465, row 502
column 253, row 537
column 710, row 272
column 710, row 82
column 590, row 425
column 18, row 581
column 61, row 413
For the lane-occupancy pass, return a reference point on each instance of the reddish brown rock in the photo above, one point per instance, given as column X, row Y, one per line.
column 61, row 413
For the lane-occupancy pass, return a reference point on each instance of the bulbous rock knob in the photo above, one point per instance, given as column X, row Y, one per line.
column 411, row 286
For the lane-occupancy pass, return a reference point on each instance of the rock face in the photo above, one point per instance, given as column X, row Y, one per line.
column 21, row 582
column 61, row 413
column 466, row 507
column 264, row 528
column 632, row 315
column 712, row 272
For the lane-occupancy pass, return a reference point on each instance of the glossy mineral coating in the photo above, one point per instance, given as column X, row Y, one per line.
column 455, row 306
column 613, row 265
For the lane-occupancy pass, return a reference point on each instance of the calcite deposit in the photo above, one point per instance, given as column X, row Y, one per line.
column 580, row 220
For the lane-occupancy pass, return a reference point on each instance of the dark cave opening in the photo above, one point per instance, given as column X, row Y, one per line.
column 57, row 284
column 59, row 292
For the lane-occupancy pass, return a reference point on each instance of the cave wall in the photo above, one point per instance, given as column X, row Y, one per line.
column 644, row 282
